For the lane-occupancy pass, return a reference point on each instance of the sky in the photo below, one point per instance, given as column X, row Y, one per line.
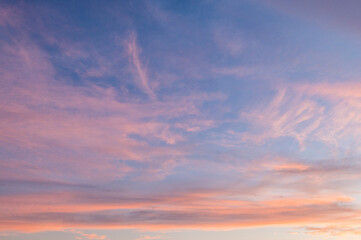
column 151, row 120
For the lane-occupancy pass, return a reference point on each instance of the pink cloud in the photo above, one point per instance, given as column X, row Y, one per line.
column 110, row 148
column 286, row 115
column 288, row 193
column 93, row 123
column 295, row 111
column 10, row 16
column 221, row 214
column 140, row 70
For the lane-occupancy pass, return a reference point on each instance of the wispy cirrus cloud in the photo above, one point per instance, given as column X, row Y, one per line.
column 162, row 129
column 308, row 112
column 140, row 70
column 87, row 121
column 53, row 133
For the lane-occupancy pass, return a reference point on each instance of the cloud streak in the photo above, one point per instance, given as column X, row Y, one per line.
column 297, row 112
column 140, row 70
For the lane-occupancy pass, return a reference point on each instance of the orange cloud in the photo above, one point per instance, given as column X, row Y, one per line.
column 82, row 235
column 334, row 230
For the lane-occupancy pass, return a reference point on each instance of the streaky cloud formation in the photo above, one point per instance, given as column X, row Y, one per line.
column 148, row 120
column 82, row 235
column 297, row 111
column 133, row 51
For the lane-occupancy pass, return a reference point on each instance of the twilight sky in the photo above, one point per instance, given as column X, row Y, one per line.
column 197, row 120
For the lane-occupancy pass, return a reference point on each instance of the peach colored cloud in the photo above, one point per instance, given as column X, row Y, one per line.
column 82, row 235
column 290, row 196
column 239, row 215
column 308, row 112
column 334, row 230
column 148, row 237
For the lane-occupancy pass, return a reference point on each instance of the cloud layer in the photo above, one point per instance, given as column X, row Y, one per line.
column 197, row 116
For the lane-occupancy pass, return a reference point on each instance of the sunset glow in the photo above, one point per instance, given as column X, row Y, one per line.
column 194, row 120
